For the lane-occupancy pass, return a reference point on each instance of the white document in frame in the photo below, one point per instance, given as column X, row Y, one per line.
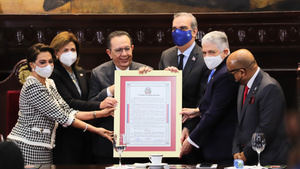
column 147, row 113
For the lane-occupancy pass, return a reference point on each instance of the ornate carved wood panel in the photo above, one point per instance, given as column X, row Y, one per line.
column 273, row 37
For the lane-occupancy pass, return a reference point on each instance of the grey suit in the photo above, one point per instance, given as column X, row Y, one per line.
column 263, row 111
column 194, row 75
column 102, row 77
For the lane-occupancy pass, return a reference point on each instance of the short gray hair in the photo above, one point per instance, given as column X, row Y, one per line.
column 218, row 38
column 194, row 23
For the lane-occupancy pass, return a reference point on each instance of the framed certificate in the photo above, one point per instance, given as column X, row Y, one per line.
column 147, row 115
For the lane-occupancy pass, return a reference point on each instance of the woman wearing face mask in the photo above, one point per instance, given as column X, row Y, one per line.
column 42, row 109
column 72, row 84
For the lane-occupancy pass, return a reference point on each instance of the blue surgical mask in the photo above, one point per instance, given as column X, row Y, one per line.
column 181, row 37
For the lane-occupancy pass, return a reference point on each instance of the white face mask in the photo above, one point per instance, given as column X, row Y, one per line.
column 212, row 61
column 68, row 58
column 44, row 71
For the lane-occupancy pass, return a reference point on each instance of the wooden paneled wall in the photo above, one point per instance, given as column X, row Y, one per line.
column 273, row 37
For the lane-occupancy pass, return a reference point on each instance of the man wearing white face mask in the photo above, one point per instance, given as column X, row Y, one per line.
column 214, row 132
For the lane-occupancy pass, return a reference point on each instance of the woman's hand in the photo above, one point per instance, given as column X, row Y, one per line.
column 105, row 133
column 106, row 112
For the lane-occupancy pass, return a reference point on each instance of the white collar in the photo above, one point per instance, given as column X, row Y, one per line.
column 250, row 82
column 188, row 51
column 121, row 69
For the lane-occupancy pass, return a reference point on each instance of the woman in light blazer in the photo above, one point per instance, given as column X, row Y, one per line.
column 42, row 109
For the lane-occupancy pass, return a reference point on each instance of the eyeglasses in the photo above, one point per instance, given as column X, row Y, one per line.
column 233, row 71
column 120, row 50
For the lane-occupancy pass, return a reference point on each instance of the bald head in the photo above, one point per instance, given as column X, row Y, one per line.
column 241, row 58
column 242, row 65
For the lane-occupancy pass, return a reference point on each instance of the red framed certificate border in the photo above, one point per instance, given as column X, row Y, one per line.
column 121, row 77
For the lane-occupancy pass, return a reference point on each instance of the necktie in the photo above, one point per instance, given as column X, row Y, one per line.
column 180, row 65
column 210, row 75
column 245, row 93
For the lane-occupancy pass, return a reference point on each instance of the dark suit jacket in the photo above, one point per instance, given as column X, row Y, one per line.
column 215, row 130
column 102, row 77
column 194, row 78
column 71, row 143
column 263, row 111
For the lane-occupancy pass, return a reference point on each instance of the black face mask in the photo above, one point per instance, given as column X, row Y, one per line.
column 231, row 76
column 238, row 81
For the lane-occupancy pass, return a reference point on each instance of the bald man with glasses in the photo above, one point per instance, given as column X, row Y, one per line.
column 260, row 106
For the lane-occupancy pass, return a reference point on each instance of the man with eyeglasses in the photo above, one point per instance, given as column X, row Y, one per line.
column 261, row 106
column 119, row 49
column 186, row 55
column 214, row 131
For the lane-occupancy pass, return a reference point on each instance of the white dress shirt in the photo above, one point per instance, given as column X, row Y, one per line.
column 186, row 54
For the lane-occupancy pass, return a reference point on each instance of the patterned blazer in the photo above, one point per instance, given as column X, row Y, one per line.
column 41, row 107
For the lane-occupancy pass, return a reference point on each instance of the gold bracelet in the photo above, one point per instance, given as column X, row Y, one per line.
column 94, row 114
column 86, row 126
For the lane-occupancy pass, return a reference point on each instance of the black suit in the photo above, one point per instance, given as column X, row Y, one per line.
column 102, row 77
column 71, row 143
column 263, row 111
column 194, row 79
column 215, row 130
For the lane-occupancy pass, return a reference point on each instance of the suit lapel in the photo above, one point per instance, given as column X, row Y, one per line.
column 68, row 80
column 81, row 81
column 111, row 75
column 190, row 63
column 251, row 93
column 134, row 66
column 174, row 59
column 240, row 102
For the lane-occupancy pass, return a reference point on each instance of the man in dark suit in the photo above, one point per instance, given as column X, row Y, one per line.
column 214, row 132
column 261, row 106
column 186, row 56
column 120, row 49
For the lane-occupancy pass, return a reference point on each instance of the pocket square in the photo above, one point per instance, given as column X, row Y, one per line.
column 252, row 100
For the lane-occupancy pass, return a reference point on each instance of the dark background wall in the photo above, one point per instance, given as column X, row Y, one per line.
column 273, row 37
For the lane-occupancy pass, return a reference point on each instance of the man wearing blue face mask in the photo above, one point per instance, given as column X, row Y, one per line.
column 214, row 133
column 186, row 56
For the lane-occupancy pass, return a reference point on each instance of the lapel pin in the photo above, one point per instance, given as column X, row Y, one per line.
column 254, row 90
column 193, row 58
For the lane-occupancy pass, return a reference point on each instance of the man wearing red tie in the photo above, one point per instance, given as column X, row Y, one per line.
column 260, row 108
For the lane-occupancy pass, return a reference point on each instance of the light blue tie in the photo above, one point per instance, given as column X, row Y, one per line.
column 211, row 74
